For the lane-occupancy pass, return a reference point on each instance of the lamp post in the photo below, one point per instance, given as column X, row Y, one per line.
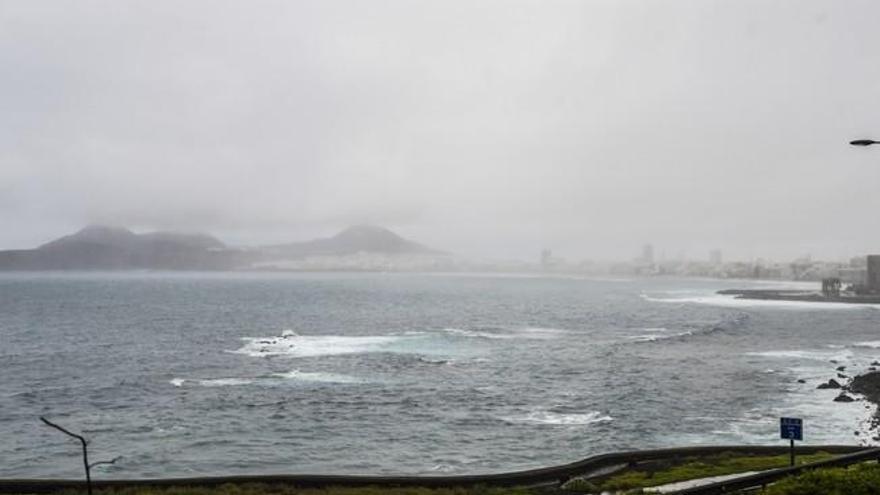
column 863, row 142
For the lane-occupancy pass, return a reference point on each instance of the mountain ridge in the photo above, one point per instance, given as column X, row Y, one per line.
column 104, row 247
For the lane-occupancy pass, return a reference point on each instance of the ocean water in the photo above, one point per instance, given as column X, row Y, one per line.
column 215, row 374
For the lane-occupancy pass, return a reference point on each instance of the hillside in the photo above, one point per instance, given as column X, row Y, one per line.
column 98, row 247
column 357, row 239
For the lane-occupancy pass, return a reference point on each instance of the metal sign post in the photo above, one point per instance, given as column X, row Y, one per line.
column 792, row 429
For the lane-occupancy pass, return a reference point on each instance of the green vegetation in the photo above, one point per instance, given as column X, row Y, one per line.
column 861, row 479
column 273, row 489
column 643, row 475
column 654, row 474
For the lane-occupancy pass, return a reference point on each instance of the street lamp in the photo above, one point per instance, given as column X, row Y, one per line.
column 863, row 142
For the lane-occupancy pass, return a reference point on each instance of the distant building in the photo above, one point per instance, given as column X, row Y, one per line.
column 858, row 262
column 715, row 257
column 854, row 276
column 648, row 254
column 874, row 272
column 546, row 259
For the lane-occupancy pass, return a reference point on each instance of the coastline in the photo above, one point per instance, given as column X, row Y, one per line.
column 797, row 295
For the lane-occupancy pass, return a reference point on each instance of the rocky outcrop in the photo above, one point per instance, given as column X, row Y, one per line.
column 832, row 383
column 868, row 385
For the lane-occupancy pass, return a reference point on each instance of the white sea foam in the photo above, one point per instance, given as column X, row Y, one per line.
column 729, row 301
column 826, row 421
column 536, row 333
column 443, row 468
column 477, row 334
column 318, row 377
column 552, row 418
column 177, row 382
column 871, row 344
column 815, row 355
column 292, row 345
column 541, row 332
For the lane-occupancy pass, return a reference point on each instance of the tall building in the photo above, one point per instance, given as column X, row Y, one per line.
column 546, row 259
column 648, row 254
column 715, row 257
column 874, row 272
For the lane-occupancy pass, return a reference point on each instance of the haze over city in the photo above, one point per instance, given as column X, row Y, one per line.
column 490, row 129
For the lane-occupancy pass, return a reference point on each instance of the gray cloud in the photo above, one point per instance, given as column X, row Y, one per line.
column 487, row 128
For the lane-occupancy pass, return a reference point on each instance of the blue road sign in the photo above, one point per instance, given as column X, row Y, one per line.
column 791, row 428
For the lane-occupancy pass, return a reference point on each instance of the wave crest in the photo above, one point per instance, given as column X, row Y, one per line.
column 553, row 418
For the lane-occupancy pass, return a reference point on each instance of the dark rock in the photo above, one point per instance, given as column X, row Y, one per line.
column 843, row 398
column 832, row 383
column 872, row 368
column 833, row 361
column 801, row 380
column 867, row 385
column 841, row 368
column 842, row 376
column 875, row 363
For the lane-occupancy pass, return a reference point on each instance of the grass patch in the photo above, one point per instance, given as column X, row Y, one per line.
column 278, row 489
column 661, row 473
column 861, row 479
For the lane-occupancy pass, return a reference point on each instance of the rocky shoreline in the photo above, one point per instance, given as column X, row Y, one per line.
column 866, row 385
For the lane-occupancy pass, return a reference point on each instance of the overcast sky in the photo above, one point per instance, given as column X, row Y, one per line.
column 488, row 128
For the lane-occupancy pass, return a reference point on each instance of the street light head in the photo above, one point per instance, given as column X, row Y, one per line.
column 863, row 142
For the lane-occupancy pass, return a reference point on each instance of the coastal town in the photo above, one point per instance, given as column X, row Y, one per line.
column 851, row 272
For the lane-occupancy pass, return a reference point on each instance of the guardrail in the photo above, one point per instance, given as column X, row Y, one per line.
column 763, row 479
column 548, row 475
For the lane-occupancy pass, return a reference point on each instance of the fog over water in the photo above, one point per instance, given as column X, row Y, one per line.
column 491, row 128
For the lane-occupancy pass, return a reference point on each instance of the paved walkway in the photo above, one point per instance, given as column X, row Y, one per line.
column 681, row 485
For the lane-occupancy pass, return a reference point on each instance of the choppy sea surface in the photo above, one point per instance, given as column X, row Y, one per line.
column 216, row 374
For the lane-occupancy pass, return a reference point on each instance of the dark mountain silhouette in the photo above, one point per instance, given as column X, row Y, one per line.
column 99, row 247
column 357, row 239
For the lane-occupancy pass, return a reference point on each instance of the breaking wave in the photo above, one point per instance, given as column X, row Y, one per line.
column 274, row 379
column 814, row 355
column 290, row 344
column 317, row 377
column 552, row 418
column 664, row 334
column 537, row 333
